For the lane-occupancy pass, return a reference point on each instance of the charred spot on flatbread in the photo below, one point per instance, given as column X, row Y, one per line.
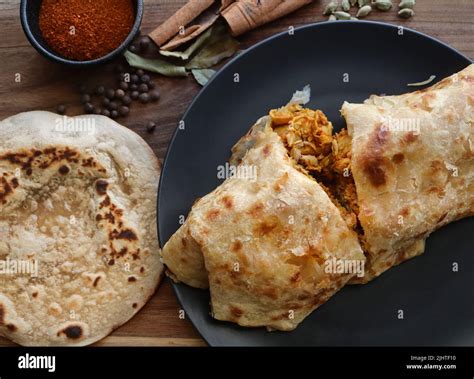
column 2, row 315
column 72, row 332
column 101, row 187
column 64, row 170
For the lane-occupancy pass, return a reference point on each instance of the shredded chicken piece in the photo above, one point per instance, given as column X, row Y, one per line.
column 307, row 134
column 345, row 186
column 349, row 217
column 308, row 137
column 341, row 149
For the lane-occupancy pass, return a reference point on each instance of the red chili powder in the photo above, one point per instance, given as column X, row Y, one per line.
column 85, row 29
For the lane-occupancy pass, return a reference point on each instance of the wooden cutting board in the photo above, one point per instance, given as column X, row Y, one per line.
column 44, row 85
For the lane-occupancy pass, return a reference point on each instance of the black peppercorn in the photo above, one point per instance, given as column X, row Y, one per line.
column 154, row 95
column 88, row 107
column 134, row 49
column 144, row 98
column 110, row 93
column 119, row 93
column 61, row 109
column 150, row 127
column 124, row 110
column 105, row 102
column 113, row 106
column 143, row 88
column 86, row 98
column 126, row 100
column 145, row 43
column 123, row 86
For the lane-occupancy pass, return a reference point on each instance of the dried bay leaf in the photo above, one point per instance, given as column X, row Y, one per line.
column 202, row 76
column 154, row 65
column 218, row 46
column 184, row 55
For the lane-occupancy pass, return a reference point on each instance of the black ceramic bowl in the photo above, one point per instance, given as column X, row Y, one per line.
column 29, row 14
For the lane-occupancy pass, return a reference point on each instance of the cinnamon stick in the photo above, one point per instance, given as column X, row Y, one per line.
column 225, row 4
column 180, row 19
column 245, row 15
column 241, row 15
column 191, row 32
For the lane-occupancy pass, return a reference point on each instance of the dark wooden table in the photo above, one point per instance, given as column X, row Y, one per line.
column 44, row 85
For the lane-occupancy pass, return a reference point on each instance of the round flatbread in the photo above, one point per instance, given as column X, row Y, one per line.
column 79, row 254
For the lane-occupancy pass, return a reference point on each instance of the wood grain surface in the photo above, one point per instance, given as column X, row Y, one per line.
column 44, row 85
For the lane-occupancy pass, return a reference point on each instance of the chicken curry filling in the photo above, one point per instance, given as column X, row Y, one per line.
column 309, row 139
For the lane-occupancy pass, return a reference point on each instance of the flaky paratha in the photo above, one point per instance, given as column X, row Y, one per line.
column 412, row 161
column 262, row 243
column 77, row 198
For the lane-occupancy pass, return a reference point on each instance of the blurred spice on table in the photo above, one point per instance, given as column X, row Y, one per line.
column 363, row 8
column 85, row 30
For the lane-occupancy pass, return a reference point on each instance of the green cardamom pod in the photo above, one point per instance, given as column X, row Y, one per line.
column 330, row 8
column 406, row 13
column 407, row 4
column 353, row 2
column 361, row 3
column 383, row 5
column 345, row 5
column 364, row 11
column 354, row 18
column 332, row 18
column 342, row 15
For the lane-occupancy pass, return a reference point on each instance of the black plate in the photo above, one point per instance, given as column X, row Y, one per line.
column 437, row 302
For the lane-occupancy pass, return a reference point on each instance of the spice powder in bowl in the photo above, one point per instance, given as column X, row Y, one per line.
column 84, row 30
